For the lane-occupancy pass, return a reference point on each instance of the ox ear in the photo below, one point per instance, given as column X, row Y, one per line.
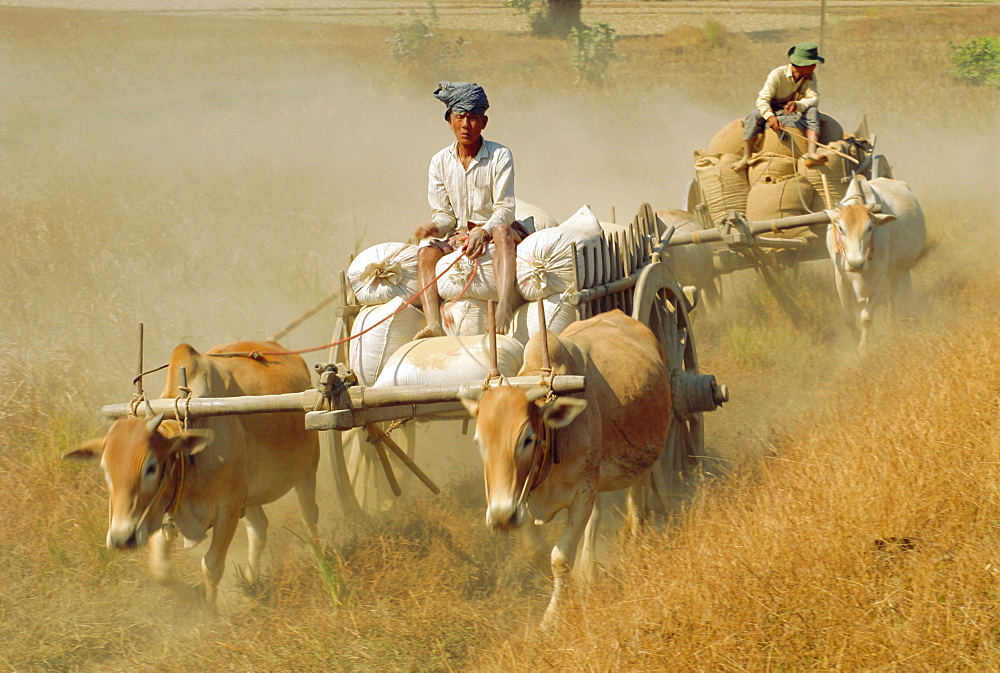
column 882, row 218
column 470, row 399
column 562, row 411
column 92, row 449
column 191, row 442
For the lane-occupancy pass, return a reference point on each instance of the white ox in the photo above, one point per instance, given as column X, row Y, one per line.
column 605, row 439
column 163, row 481
column 872, row 253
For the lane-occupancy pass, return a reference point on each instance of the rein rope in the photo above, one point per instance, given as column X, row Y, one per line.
column 257, row 355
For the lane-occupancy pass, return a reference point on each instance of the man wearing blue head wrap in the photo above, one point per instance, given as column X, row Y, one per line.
column 471, row 193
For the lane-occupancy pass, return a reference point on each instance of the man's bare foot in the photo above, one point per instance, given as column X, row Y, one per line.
column 502, row 320
column 813, row 159
column 739, row 165
column 429, row 331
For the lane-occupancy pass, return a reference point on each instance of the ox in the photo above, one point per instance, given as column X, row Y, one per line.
column 605, row 439
column 872, row 253
column 165, row 481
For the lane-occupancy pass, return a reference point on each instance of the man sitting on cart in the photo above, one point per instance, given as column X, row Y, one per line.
column 471, row 193
column 789, row 98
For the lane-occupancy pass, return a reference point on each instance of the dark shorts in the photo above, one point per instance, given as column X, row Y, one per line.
column 457, row 239
column 754, row 124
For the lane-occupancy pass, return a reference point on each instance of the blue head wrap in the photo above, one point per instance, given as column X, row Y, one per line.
column 462, row 98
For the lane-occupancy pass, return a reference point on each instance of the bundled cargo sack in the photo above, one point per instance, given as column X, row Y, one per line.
column 449, row 360
column 773, row 200
column 721, row 187
column 729, row 139
column 532, row 217
column 559, row 314
column 383, row 272
column 465, row 316
column 483, row 285
column 370, row 351
column 775, row 166
column 545, row 259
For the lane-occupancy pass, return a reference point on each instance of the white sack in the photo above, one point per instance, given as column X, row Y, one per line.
column 483, row 285
column 384, row 271
column 466, row 316
column 532, row 217
column 371, row 350
column 545, row 259
column 449, row 360
column 559, row 314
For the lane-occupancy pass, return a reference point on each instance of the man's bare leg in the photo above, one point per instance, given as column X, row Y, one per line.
column 427, row 259
column 745, row 159
column 505, row 271
column 811, row 158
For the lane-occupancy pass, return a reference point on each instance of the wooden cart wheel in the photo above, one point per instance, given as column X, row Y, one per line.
column 660, row 304
column 362, row 486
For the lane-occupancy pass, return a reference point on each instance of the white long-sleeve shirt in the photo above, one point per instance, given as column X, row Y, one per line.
column 781, row 87
column 482, row 193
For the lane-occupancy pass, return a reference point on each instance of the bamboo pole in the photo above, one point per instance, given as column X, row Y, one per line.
column 826, row 191
column 492, row 331
column 138, row 368
column 543, row 328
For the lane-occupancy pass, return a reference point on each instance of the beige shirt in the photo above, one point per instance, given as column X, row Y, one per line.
column 781, row 87
column 482, row 193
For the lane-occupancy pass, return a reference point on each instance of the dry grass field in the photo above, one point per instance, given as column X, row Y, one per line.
column 210, row 173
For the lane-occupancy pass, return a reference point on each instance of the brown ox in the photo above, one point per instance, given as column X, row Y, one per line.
column 606, row 438
column 163, row 481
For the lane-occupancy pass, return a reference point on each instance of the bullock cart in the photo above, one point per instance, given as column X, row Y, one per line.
column 635, row 278
column 770, row 215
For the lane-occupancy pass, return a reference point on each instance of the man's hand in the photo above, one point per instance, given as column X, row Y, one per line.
column 425, row 231
column 773, row 122
column 790, row 107
column 476, row 245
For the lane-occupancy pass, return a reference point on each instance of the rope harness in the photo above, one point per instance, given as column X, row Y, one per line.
column 259, row 355
column 175, row 501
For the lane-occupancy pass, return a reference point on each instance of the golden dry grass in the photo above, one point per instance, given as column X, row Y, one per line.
column 210, row 177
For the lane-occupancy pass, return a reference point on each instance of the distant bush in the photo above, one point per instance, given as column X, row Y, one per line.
column 711, row 35
column 593, row 50
column 978, row 60
column 416, row 40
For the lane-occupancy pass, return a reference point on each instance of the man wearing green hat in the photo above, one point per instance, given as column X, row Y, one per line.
column 790, row 97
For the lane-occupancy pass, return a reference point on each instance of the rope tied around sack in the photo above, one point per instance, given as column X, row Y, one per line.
column 381, row 272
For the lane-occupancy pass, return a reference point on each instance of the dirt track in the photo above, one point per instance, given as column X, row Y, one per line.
column 627, row 17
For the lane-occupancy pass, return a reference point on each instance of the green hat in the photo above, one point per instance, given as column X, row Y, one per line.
column 805, row 53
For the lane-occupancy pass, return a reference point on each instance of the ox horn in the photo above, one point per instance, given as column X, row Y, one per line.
column 536, row 393
column 471, row 393
column 154, row 424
